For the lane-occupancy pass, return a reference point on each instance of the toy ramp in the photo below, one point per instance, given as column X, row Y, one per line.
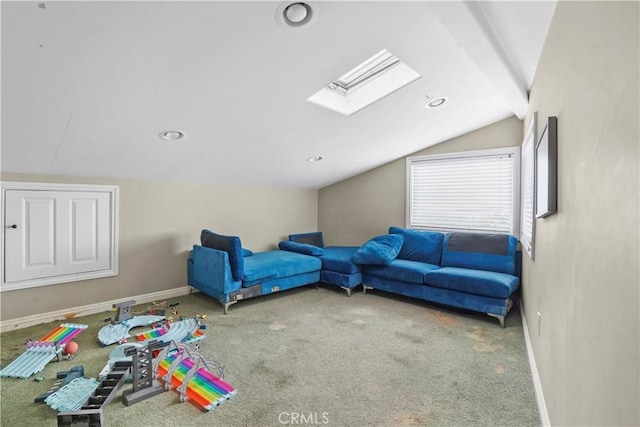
column 188, row 373
column 43, row 351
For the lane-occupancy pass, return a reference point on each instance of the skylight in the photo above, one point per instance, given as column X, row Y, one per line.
column 375, row 78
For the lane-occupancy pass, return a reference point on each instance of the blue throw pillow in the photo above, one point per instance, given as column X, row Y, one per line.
column 380, row 250
column 301, row 248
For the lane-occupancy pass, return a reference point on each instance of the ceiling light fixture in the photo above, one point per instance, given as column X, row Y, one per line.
column 314, row 159
column 435, row 103
column 296, row 13
column 172, row 135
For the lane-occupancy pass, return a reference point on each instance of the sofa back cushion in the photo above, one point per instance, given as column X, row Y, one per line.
column 301, row 248
column 489, row 252
column 419, row 245
column 229, row 244
column 314, row 238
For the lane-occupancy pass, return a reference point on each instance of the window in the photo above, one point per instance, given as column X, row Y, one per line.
column 528, row 189
column 477, row 191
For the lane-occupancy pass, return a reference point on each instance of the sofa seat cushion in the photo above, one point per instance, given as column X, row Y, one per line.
column 476, row 282
column 402, row 270
column 338, row 259
column 263, row 266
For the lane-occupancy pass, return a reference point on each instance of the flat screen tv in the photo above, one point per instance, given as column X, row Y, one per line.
column 546, row 162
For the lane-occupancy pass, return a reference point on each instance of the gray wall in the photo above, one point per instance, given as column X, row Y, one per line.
column 584, row 280
column 353, row 211
column 159, row 223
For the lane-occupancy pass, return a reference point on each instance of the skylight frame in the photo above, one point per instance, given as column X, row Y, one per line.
column 369, row 82
column 363, row 73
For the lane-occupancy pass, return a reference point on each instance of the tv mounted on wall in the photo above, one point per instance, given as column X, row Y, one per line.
column 547, row 170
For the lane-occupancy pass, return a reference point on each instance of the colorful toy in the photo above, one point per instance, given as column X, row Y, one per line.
column 64, row 333
column 190, row 374
column 43, row 351
column 116, row 333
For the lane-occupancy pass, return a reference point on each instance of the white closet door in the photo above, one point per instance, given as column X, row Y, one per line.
column 51, row 234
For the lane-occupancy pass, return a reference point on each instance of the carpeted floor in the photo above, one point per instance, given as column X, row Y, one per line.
column 317, row 357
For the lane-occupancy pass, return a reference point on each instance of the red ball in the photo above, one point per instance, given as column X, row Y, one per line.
column 71, row 347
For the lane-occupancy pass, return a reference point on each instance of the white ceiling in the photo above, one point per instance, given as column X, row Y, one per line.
column 87, row 87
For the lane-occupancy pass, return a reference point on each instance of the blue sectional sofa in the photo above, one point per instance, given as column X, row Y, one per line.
column 337, row 267
column 478, row 272
column 222, row 269
column 473, row 271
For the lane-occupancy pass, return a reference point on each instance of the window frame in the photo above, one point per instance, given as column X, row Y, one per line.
column 513, row 151
column 528, row 210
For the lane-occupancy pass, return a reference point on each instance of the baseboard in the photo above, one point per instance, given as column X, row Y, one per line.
column 537, row 386
column 24, row 322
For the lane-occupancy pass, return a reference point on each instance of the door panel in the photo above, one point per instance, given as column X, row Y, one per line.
column 57, row 233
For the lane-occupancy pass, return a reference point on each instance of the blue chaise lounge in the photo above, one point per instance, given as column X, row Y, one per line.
column 222, row 269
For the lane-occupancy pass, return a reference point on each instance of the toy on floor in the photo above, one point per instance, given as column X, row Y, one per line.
column 144, row 383
column 71, row 348
column 117, row 333
column 191, row 375
column 43, row 351
column 91, row 412
column 72, row 395
column 64, row 377
column 123, row 311
column 187, row 330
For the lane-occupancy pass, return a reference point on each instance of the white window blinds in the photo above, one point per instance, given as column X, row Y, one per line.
column 469, row 191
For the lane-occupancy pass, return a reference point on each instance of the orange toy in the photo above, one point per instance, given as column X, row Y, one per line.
column 71, row 347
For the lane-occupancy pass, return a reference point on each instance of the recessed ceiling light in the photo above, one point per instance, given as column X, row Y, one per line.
column 313, row 159
column 296, row 13
column 172, row 135
column 435, row 103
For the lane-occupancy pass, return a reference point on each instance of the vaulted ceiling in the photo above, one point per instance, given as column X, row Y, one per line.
column 87, row 87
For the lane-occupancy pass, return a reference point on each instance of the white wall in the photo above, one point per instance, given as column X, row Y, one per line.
column 585, row 280
column 159, row 223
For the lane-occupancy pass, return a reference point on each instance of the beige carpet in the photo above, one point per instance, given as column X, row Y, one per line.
column 317, row 357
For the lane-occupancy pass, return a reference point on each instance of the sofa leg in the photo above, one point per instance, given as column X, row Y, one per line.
column 364, row 289
column 347, row 289
column 226, row 306
column 500, row 318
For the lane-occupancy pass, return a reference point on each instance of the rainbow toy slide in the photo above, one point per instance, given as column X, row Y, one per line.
column 43, row 351
column 187, row 372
